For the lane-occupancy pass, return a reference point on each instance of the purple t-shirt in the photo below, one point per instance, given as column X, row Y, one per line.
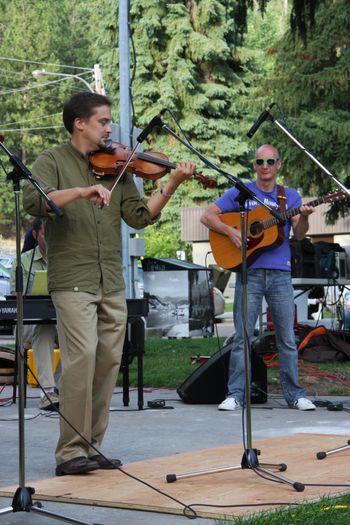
column 278, row 257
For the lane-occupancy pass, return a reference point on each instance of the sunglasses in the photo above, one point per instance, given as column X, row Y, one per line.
column 270, row 162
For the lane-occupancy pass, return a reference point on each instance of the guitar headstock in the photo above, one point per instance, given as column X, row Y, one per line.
column 336, row 196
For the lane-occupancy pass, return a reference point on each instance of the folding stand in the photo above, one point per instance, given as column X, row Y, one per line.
column 22, row 500
column 250, row 455
column 322, row 455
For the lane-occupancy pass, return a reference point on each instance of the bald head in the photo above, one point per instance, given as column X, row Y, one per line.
column 266, row 165
column 267, row 151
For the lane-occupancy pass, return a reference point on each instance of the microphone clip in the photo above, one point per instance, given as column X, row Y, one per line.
column 265, row 115
column 155, row 122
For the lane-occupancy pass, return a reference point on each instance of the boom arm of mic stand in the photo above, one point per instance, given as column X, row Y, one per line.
column 231, row 178
column 22, row 172
column 308, row 153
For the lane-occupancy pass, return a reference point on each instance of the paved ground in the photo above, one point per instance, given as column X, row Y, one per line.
column 136, row 435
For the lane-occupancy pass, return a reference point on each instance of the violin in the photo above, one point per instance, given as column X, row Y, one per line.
column 149, row 166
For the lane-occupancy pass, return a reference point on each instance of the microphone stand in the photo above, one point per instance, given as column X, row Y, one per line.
column 319, row 455
column 250, row 455
column 271, row 118
column 322, row 455
column 231, row 178
column 22, row 499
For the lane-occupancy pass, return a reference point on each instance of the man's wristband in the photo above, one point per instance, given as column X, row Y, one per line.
column 165, row 194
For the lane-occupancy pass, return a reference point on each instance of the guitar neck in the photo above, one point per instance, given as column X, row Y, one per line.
column 294, row 211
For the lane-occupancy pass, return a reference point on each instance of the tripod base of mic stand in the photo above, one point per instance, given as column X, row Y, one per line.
column 322, row 455
column 22, row 502
column 250, row 461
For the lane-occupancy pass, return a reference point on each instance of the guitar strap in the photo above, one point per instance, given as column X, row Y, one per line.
column 281, row 198
column 282, row 201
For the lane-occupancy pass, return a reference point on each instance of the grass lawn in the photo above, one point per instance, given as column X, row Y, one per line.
column 167, row 363
column 327, row 511
column 228, row 307
column 318, row 379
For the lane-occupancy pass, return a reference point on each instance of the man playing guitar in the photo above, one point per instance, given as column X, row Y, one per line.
column 269, row 276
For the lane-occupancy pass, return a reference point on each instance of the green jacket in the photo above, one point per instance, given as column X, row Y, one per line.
column 84, row 246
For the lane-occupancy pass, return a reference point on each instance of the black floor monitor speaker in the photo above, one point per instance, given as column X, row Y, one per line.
column 208, row 383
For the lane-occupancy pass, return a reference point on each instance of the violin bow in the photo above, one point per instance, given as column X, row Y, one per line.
column 127, row 162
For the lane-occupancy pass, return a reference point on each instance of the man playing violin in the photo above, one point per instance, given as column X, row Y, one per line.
column 269, row 276
column 85, row 273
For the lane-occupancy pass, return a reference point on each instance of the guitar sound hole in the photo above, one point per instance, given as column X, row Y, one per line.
column 255, row 229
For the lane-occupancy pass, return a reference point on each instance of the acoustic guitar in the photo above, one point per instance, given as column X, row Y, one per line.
column 263, row 230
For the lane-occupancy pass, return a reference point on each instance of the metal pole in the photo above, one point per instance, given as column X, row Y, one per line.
column 125, row 122
column 19, row 342
column 99, row 86
column 308, row 153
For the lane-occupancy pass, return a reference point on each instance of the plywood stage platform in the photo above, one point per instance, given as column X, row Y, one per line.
column 238, row 487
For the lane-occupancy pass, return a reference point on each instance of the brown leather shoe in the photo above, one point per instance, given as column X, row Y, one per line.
column 80, row 465
column 106, row 463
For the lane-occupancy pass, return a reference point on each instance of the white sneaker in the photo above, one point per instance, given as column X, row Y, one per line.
column 304, row 404
column 49, row 402
column 230, row 403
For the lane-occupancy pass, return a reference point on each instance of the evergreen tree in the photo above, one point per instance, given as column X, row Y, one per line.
column 186, row 59
column 311, row 84
column 188, row 62
column 35, row 31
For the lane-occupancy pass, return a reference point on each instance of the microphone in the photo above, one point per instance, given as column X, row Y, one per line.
column 264, row 115
column 156, row 121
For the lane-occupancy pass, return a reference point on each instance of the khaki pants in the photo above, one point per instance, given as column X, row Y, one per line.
column 91, row 331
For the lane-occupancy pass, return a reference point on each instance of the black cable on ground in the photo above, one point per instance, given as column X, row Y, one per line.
column 56, row 411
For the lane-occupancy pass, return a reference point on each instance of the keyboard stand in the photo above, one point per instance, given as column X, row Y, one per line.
column 134, row 346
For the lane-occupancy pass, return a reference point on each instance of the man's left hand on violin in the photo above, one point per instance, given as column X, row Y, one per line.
column 183, row 171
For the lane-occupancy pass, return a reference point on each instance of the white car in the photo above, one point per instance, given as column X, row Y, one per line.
column 4, row 281
column 6, row 261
